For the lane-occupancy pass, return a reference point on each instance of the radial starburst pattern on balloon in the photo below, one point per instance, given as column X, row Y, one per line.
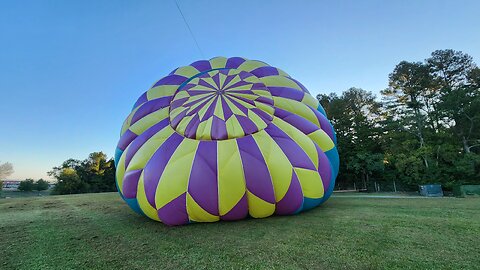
column 221, row 104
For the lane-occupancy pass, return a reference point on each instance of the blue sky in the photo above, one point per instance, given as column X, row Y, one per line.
column 71, row 70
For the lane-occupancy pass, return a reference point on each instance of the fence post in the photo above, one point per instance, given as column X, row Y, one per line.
column 394, row 186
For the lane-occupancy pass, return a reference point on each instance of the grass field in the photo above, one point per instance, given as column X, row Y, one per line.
column 23, row 194
column 98, row 231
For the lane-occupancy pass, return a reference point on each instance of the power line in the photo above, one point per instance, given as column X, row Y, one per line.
column 189, row 29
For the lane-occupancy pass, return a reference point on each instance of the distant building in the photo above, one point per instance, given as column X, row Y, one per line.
column 11, row 184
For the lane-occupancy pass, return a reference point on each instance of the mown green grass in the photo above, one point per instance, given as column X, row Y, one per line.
column 98, row 231
column 23, row 194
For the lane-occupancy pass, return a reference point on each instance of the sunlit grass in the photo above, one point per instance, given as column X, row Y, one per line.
column 98, row 231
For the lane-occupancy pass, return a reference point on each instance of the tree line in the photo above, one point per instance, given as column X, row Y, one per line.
column 31, row 185
column 424, row 128
column 94, row 174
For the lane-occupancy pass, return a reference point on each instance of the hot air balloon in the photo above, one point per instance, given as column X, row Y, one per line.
column 225, row 139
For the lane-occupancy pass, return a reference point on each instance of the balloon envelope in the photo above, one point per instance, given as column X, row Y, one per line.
column 223, row 139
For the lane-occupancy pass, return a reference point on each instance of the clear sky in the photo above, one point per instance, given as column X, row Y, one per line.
column 71, row 70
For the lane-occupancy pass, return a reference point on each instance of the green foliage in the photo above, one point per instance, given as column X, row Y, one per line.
column 26, row 185
column 426, row 129
column 94, row 174
column 30, row 185
column 450, row 68
column 41, row 185
column 355, row 116
column 68, row 182
column 366, row 163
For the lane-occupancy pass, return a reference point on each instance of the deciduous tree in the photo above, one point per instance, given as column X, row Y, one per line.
column 26, row 185
column 6, row 169
column 41, row 184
